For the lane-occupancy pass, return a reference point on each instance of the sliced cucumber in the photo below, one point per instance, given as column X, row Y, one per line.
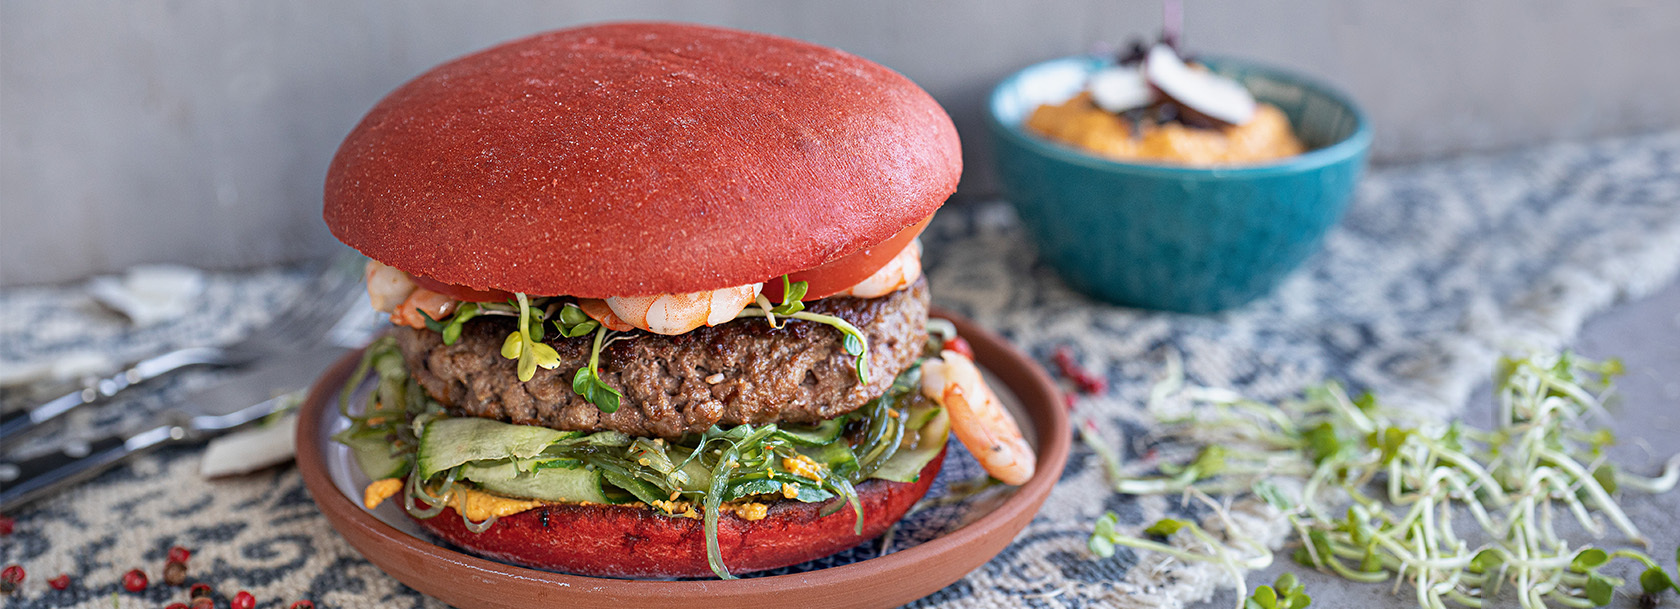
column 555, row 484
column 920, row 414
column 822, row 433
column 374, row 454
column 641, row 489
column 450, row 442
column 508, row 470
column 906, row 465
column 490, row 471
column 532, row 465
column 699, row 477
column 605, row 438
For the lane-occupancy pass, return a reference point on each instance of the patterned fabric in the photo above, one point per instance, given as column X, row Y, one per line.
column 1436, row 269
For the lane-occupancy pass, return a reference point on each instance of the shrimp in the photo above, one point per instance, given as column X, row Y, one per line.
column 387, row 287
column 904, row 269
column 674, row 313
column 434, row 304
column 598, row 310
column 978, row 418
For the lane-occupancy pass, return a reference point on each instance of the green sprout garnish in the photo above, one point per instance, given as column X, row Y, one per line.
column 588, row 384
column 792, row 308
column 793, row 295
column 1378, row 497
column 1284, row 593
column 1269, row 492
column 524, row 343
column 1107, row 535
column 1165, row 527
column 1208, row 463
column 451, row 329
column 573, row 322
column 854, row 343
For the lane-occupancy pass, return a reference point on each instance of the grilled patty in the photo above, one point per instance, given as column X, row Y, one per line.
column 743, row 371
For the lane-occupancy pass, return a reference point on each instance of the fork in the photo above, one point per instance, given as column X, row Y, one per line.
column 42, row 475
column 323, row 304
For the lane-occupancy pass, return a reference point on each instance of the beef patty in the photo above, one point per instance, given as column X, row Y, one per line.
column 743, row 371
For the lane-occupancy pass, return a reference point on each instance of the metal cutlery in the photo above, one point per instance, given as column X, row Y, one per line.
column 323, row 305
column 201, row 415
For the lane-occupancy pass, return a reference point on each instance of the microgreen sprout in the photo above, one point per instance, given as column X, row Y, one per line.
column 1193, row 544
column 525, row 344
column 1284, row 593
column 792, row 297
column 1455, row 511
column 450, row 327
column 791, row 303
column 572, row 322
column 852, row 340
column 587, row 382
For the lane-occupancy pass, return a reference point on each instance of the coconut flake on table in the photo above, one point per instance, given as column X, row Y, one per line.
column 149, row 294
column 1210, row 94
column 1120, row 88
column 250, row 449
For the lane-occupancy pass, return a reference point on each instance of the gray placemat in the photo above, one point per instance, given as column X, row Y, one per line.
column 1436, row 269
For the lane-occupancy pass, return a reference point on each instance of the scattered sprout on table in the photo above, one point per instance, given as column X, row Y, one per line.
column 1457, row 512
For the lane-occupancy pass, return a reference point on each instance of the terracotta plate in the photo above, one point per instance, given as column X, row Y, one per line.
column 398, row 547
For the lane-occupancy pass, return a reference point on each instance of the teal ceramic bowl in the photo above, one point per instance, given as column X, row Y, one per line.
column 1170, row 237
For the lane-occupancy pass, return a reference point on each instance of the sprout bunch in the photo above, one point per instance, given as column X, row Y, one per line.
column 1457, row 512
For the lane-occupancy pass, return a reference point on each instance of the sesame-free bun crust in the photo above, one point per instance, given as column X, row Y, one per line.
column 639, row 158
column 630, row 541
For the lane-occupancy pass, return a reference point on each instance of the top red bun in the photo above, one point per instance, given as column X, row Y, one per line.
column 639, row 158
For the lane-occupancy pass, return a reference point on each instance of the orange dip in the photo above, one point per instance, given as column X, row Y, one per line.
column 1080, row 123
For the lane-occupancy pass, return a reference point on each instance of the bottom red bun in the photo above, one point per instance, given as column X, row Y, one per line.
column 625, row 541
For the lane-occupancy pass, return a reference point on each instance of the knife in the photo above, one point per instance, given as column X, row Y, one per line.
column 267, row 388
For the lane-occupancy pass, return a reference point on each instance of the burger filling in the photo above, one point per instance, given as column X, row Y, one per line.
column 673, row 386
column 786, row 401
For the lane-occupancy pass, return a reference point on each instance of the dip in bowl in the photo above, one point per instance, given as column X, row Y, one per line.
column 1172, row 237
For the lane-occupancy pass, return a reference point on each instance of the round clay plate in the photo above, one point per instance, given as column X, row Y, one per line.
column 399, row 547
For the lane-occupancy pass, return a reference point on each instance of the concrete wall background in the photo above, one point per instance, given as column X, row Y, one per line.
column 199, row 131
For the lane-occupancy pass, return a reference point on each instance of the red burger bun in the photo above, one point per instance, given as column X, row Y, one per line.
column 639, row 158
column 631, row 541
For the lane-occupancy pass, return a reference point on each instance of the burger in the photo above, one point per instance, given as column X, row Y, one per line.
column 657, row 301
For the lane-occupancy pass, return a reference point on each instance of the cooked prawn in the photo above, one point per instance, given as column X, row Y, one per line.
column 978, row 418
column 676, row 313
column 434, row 304
column 387, row 287
column 903, row 270
column 598, row 310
